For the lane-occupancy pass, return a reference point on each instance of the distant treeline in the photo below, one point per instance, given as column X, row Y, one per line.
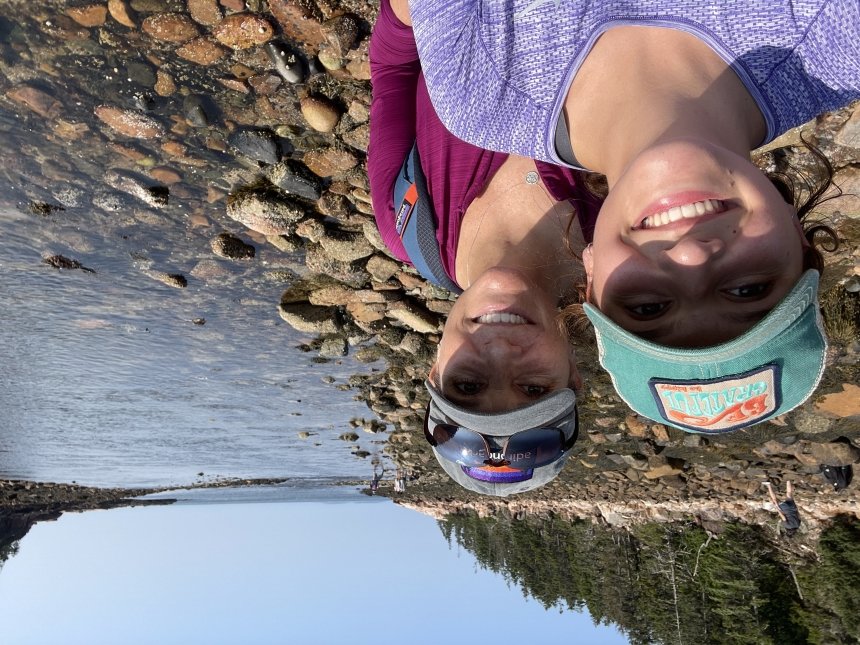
column 669, row 583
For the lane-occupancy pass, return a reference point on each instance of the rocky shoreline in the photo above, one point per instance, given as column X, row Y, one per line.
column 245, row 125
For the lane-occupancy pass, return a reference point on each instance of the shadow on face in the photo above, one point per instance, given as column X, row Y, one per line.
column 502, row 347
column 701, row 264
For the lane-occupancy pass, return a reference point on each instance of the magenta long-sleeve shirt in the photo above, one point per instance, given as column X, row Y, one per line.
column 456, row 172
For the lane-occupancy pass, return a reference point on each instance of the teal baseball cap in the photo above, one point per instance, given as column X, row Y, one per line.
column 768, row 371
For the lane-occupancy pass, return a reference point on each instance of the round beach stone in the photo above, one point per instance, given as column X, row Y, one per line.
column 170, row 27
column 129, row 122
column 287, row 62
column 231, row 247
column 203, row 51
column 243, row 31
column 120, row 12
column 264, row 211
column 294, row 178
column 341, row 33
column 91, row 15
column 320, row 114
column 259, row 145
column 205, row 12
column 329, row 161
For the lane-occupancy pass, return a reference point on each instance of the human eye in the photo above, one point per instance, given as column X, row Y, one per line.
column 534, row 390
column 468, row 387
column 748, row 291
column 647, row 310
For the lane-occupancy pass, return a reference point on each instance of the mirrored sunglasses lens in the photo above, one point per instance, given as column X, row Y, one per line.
column 461, row 445
column 534, row 448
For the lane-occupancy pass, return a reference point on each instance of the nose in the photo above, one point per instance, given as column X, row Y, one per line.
column 501, row 347
column 692, row 251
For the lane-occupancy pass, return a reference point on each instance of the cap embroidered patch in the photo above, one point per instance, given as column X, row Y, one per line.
column 719, row 405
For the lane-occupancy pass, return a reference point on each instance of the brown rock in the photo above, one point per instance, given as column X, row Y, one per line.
column 849, row 133
column 359, row 137
column 333, row 205
column 660, row 432
column 298, row 21
column 206, row 12
column 635, row 426
column 174, row 148
column 264, row 212
column 341, row 33
column 414, row 316
column 120, row 12
column 666, row 470
column 381, row 269
column 358, row 111
column 366, row 312
column 128, row 152
column 311, row 229
column 164, row 84
column 234, row 6
column 170, row 27
column 231, row 247
column 242, row 71
column 166, row 176
column 320, row 114
column 243, row 31
column 129, row 123
column 329, row 58
column 91, row 15
column 329, row 161
column 203, row 51
column 841, row 404
column 265, row 84
column 175, row 280
column 235, row 84
column 40, row 102
column 833, row 454
column 346, row 246
column 69, row 130
column 359, row 63
column 309, row 319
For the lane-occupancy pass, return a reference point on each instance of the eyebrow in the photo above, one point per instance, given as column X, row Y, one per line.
column 753, row 316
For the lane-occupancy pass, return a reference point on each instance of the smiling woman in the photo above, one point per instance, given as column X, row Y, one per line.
column 701, row 296
column 496, row 228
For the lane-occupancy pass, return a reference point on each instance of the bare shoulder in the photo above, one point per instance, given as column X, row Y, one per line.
column 401, row 10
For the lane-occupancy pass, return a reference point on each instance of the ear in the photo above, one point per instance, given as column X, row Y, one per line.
column 433, row 376
column 799, row 226
column 588, row 264
column 575, row 379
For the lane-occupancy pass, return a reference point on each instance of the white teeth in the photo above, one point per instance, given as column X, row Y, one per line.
column 508, row 319
column 687, row 211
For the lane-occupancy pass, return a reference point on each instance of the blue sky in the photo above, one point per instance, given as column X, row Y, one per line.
column 364, row 571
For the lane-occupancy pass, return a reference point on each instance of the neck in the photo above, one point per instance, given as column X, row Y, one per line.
column 518, row 225
column 654, row 98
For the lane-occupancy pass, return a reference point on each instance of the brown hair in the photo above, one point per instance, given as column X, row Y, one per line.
column 806, row 193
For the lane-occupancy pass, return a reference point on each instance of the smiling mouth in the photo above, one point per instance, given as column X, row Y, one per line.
column 693, row 210
column 500, row 318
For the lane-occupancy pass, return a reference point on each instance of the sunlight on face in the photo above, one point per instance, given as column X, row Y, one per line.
column 693, row 246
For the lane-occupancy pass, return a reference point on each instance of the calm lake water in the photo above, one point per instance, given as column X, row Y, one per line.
column 106, row 381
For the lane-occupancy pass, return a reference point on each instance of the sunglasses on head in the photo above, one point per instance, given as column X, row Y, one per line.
column 523, row 450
